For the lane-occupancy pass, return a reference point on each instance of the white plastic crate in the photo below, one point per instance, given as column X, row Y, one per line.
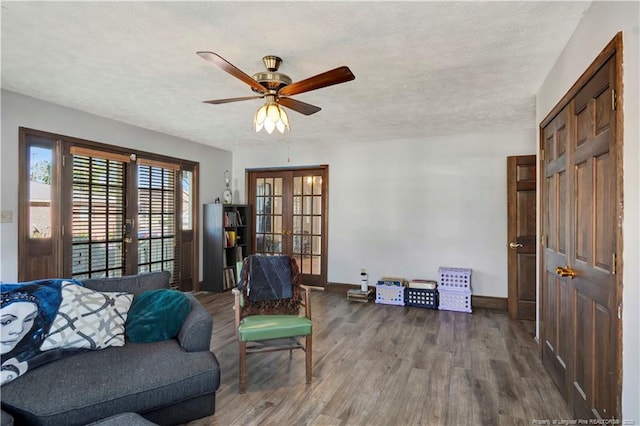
column 454, row 301
column 390, row 294
column 454, row 279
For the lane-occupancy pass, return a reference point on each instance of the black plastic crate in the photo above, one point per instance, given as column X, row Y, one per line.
column 422, row 298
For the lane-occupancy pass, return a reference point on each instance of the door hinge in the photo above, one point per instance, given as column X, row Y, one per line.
column 613, row 100
column 62, row 230
column 64, row 160
column 620, row 311
column 542, row 154
column 614, row 267
column 542, row 240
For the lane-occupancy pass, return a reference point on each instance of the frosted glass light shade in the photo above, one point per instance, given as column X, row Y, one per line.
column 271, row 116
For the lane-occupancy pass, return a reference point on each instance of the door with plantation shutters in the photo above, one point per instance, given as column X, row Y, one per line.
column 98, row 215
column 123, row 215
column 91, row 210
column 157, row 212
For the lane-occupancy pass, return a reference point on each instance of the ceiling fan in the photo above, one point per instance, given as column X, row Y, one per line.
column 277, row 89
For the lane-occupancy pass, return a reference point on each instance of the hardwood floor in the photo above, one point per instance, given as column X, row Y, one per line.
column 387, row 365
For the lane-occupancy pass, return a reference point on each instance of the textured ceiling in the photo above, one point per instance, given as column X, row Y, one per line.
column 422, row 68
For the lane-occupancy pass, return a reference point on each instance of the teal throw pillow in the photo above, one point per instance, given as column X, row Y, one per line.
column 156, row 315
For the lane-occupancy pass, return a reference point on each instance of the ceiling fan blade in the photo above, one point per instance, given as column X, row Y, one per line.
column 226, row 101
column 329, row 78
column 232, row 69
column 301, row 107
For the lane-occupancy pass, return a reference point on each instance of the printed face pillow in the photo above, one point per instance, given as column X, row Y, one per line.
column 27, row 311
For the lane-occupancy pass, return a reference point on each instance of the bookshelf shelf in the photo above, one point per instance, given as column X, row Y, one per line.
column 226, row 233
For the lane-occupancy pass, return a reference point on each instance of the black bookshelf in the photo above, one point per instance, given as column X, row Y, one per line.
column 226, row 241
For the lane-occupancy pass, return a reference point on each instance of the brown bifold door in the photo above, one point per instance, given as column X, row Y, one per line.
column 555, row 291
column 581, row 240
column 521, row 236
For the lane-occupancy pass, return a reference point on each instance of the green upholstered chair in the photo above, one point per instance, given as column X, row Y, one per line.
column 274, row 324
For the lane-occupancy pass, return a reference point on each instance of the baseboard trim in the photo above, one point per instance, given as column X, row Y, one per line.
column 490, row 302
column 486, row 302
column 339, row 287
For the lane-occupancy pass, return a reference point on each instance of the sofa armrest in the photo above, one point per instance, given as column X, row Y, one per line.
column 195, row 334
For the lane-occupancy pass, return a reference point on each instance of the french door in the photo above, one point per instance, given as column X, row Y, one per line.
column 290, row 217
column 109, row 214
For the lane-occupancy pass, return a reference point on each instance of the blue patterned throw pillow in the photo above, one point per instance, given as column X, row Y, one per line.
column 156, row 315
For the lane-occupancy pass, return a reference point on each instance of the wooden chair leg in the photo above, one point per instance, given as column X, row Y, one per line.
column 308, row 357
column 242, row 370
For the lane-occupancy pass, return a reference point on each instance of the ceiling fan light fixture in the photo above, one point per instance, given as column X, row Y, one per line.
column 261, row 115
column 271, row 116
column 273, row 113
column 276, row 88
column 269, row 126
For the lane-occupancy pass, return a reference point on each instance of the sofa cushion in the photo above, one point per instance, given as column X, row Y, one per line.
column 137, row 377
column 88, row 319
column 157, row 315
column 134, row 284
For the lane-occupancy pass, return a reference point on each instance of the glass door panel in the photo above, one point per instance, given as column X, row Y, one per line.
column 40, row 178
column 157, row 219
column 98, row 216
column 269, row 215
column 307, row 219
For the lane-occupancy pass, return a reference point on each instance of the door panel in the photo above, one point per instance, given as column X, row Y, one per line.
column 269, row 216
column 38, row 215
column 307, row 220
column 595, row 236
column 521, row 230
column 157, row 209
column 97, row 216
column 187, row 249
column 580, row 328
column 556, row 245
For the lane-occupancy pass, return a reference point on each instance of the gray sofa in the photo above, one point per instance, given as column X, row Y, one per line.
column 168, row 382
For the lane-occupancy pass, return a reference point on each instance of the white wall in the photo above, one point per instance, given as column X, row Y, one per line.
column 599, row 25
column 18, row 110
column 406, row 207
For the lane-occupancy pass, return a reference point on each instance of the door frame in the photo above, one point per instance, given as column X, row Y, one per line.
column 614, row 47
column 62, row 211
column 322, row 281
